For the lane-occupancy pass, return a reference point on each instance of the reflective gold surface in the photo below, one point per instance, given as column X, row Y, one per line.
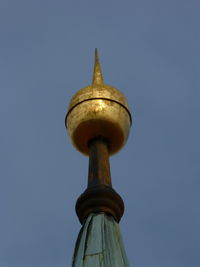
column 98, row 110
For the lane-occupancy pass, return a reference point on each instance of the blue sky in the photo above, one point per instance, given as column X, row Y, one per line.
column 150, row 51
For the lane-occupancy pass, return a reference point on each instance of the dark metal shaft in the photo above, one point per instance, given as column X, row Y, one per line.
column 99, row 166
column 99, row 195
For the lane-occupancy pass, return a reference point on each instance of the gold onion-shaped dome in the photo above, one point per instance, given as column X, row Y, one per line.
column 98, row 110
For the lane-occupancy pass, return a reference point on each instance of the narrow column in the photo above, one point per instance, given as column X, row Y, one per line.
column 99, row 195
column 99, row 166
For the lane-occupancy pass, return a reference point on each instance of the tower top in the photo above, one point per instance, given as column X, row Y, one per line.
column 98, row 122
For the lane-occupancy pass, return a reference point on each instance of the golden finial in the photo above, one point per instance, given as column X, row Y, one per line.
column 98, row 110
column 97, row 74
column 98, row 122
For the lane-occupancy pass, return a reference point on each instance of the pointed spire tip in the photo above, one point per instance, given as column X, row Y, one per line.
column 97, row 74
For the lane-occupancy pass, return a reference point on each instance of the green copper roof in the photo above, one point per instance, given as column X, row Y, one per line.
column 99, row 243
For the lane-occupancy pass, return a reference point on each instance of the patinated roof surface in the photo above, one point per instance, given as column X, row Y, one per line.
column 99, row 243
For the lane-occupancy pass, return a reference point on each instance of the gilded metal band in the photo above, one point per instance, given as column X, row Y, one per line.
column 101, row 98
